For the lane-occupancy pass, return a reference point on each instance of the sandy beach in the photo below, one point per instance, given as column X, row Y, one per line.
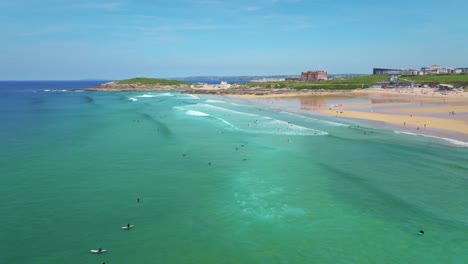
column 417, row 110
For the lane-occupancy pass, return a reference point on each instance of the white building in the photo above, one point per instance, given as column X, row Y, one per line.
column 436, row 69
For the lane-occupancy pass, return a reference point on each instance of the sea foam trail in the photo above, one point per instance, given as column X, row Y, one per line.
column 154, row 95
column 202, row 114
column 452, row 141
column 226, row 110
column 196, row 113
column 132, row 99
column 187, row 97
column 308, row 118
column 215, row 101
column 279, row 127
column 251, row 123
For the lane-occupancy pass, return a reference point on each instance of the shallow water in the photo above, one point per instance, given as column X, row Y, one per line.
column 221, row 180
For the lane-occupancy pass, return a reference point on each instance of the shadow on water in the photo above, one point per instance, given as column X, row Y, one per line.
column 38, row 101
column 88, row 99
column 162, row 128
column 365, row 195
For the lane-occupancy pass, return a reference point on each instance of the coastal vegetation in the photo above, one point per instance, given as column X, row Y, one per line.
column 453, row 79
column 151, row 81
column 344, row 83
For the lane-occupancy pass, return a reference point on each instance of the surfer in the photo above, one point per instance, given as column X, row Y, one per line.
column 128, row 225
column 99, row 249
column 421, row 232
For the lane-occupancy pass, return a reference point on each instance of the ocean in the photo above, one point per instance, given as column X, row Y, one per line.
column 221, row 180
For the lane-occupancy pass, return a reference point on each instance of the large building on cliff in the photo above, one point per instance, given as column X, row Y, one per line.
column 314, row 75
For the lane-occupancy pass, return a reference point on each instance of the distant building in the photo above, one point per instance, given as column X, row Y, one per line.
column 433, row 69
column 383, row 71
column 314, row 75
column 436, row 69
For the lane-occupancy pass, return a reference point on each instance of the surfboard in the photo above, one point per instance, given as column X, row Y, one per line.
column 97, row 251
column 126, row 227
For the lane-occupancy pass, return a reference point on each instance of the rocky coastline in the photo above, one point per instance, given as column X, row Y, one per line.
column 235, row 89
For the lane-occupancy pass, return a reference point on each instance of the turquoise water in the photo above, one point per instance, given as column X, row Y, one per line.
column 220, row 181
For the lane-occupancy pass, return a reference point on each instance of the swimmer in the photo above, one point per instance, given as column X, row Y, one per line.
column 421, row 232
column 138, row 200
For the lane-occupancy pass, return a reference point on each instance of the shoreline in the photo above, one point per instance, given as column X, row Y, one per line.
column 424, row 111
column 420, row 111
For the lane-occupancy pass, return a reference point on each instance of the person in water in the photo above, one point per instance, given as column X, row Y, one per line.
column 128, row 225
column 421, row 232
column 99, row 249
column 138, row 200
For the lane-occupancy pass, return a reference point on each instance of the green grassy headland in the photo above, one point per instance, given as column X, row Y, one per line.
column 453, row 79
column 152, row 81
column 348, row 83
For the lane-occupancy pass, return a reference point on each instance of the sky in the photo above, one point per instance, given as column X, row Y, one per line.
column 118, row 39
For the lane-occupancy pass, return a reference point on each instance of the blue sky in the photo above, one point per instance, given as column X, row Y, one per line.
column 116, row 39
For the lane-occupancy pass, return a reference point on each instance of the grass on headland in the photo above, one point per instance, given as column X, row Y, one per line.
column 348, row 83
column 152, row 81
column 453, row 79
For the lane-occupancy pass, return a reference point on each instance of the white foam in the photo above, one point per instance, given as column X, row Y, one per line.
column 193, row 96
column 315, row 119
column 132, row 99
column 453, row 141
column 154, row 95
column 146, row 96
column 56, row 90
column 196, row 113
column 226, row 110
column 203, row 114
column 215, row 101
